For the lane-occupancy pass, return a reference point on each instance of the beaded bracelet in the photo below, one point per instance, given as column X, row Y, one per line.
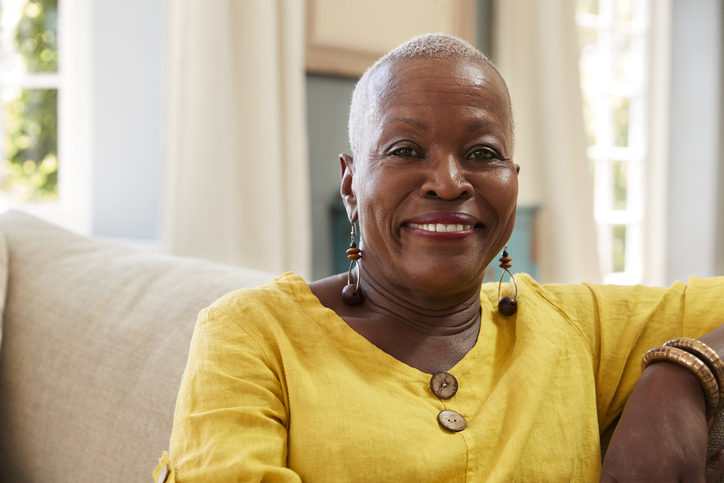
column 706, row 354
column 694, row 365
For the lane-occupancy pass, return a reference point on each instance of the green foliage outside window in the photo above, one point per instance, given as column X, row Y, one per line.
column 37, row 39
column 32, row 164
column 31, row 118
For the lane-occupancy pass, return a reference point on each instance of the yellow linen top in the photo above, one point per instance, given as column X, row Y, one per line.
column 279, row 388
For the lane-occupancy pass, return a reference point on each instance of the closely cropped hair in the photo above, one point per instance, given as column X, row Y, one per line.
column 427, row 46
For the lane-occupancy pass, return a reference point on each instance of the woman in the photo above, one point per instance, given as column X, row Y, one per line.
column 415, row 373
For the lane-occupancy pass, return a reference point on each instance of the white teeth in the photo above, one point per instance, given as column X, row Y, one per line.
column 442, row 228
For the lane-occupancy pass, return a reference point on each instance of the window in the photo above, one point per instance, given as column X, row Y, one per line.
column 43, row 166
column 30, row 100
column 613, row 49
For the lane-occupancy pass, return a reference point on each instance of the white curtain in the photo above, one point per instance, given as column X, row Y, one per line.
column 236, row 187
column 536, row 50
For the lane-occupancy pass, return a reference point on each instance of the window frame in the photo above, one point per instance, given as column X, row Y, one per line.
column 73, row 81
column 642, row 216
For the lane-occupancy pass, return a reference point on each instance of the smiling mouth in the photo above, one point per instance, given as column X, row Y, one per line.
column 441, row 227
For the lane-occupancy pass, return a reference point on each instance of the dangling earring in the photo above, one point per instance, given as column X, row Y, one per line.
column 507, row 305
column 352, row 293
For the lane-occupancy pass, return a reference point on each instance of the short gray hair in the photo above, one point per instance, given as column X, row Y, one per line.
column 425, row 46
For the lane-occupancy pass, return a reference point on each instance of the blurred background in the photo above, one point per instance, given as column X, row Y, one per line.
column 213, row 128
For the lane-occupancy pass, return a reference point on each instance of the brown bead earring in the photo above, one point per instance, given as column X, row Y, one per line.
column 352, row 293
column 507, row 305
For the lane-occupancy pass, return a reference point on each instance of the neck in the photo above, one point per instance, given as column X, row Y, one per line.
column 431, row 316
column 430, row 333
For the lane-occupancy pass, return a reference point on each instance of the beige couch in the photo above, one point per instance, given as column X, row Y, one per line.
column 95, row 337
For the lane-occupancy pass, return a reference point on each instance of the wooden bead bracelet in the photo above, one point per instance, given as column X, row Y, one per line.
column 695, row 365
column 706, row 354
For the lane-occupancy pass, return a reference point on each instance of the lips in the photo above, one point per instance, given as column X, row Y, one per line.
column 443, row 225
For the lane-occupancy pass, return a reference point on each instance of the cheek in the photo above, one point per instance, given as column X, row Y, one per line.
column 376, row 190
column 381, row 196
column 501, row 190
column 370, row 200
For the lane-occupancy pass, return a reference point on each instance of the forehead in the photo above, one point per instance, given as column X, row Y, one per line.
column 440, row 83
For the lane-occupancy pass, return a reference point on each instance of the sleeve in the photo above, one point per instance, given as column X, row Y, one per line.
column 621, row 323
column 231, row 419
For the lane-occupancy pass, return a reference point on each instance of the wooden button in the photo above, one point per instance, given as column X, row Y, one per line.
column 451, row 420
column 163, row 475
column 444, row 385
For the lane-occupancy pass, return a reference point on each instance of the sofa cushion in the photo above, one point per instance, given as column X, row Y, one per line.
column 96, row 339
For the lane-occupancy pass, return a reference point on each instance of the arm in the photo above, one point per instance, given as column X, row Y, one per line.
column 663, row 431
column 230, row 422
column 664, row 406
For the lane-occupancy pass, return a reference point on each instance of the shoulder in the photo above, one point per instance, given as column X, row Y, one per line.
column 545, row 307
column 261, row 308
column 530, row 290
column 287, row 289
column 571, row 298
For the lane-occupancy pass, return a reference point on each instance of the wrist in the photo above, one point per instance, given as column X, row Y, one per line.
column 673, row 382
column 698, row 359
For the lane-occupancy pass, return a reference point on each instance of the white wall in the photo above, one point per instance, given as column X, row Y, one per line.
column 694, row 138
column 127, row 95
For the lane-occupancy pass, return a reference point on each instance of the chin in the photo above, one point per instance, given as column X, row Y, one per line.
column 447, row 280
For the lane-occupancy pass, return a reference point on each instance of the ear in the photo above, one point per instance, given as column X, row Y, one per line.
column 346, row 163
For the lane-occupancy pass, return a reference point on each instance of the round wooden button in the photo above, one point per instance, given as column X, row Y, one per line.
column 444, row 385
column 163, row 475
column 451, row 420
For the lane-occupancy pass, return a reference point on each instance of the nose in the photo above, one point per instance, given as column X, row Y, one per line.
column 446, row 179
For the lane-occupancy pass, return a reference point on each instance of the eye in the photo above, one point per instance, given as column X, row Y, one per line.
column 405, row 152
column 483, row 154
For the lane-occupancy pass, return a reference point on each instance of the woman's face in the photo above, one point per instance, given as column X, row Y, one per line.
column 434, row 188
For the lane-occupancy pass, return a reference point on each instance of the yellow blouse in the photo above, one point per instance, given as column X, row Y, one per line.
column 278, row 388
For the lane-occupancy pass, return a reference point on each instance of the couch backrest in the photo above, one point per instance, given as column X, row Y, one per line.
column 95, row 340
